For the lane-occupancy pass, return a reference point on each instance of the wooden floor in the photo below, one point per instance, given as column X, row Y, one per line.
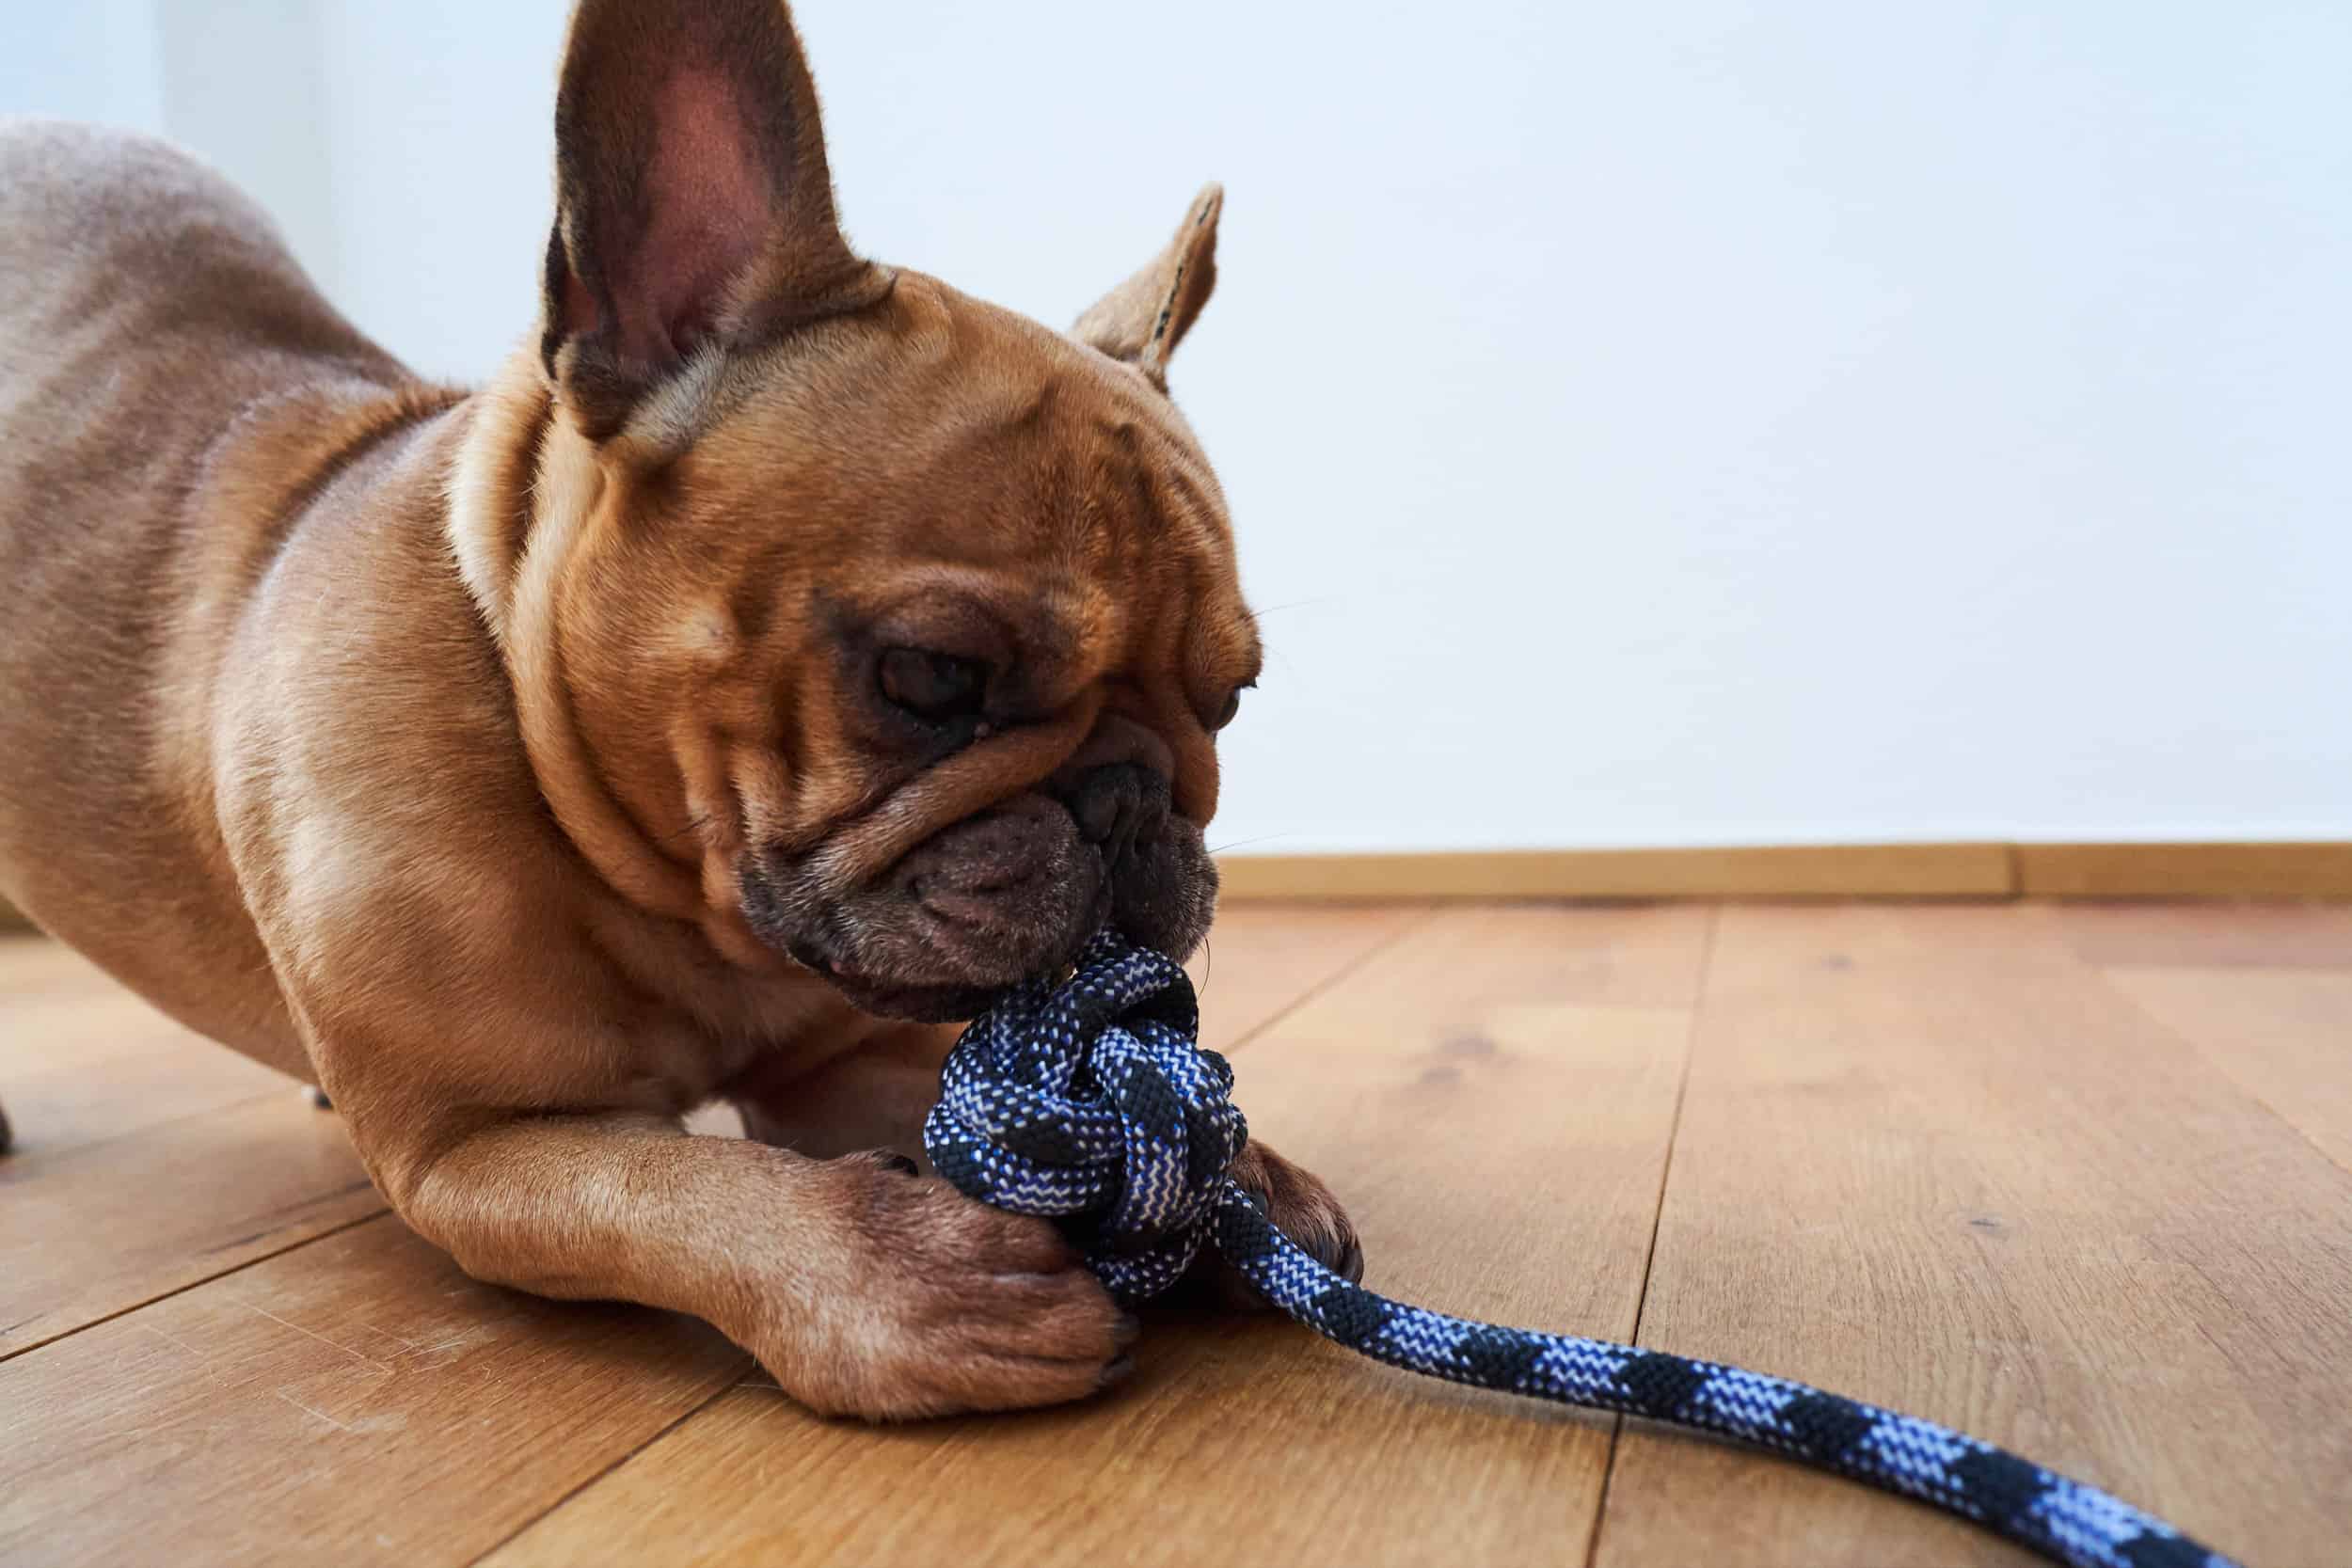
column 2077, row 1180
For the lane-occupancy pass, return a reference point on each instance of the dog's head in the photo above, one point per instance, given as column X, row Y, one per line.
column 852, row 618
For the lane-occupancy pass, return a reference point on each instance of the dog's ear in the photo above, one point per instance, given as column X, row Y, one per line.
column 693, row 207
column 1143, row 320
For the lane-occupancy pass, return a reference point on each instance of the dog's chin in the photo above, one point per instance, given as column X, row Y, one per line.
column 1008, row 895
column 920, row 1003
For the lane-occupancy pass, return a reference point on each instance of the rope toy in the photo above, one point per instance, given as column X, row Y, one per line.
column 1091, row 1103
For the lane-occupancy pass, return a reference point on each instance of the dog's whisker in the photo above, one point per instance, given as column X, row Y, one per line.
column 1245, row 843
column 1256, row 615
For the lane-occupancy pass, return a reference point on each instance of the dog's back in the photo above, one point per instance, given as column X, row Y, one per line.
column 143, row 300
column 158, row 347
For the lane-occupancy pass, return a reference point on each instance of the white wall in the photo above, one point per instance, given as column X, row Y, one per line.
column 1680, row 424
column 88, row 59
column 241, row 89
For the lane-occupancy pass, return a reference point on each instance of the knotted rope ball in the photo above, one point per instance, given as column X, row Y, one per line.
column 1091, row 1103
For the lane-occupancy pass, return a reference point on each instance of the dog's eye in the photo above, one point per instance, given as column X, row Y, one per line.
column 1232, row 705
column 934, row 685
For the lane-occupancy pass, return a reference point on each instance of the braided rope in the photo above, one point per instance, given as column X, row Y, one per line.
column 1091, row 1103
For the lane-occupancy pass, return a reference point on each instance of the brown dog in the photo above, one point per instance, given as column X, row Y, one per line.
column 781, row 649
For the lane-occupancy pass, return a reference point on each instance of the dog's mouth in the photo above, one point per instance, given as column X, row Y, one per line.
column 1005, row 896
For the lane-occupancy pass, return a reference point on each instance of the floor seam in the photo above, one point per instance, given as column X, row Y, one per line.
column 26, row 1150
column 733, row 1382
column 2198, row 1050
column 1658, row 1214
column 62, row 1336
column 1315, row 993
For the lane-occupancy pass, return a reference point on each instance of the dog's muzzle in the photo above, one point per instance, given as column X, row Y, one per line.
column 1008, row 894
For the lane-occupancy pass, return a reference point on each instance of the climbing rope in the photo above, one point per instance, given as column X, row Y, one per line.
column 1091, row 1103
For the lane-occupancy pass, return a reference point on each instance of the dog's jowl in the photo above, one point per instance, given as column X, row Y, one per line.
column 781, row 655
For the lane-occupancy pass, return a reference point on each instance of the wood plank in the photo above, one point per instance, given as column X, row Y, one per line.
column 1928, row 1160
column 83, row 1060
column 34, row 965
column 126, row 1084
column 1786, row 871
column 2184, row 870
column 2284, row 1036
column 2207, row 936
column 1493, row 1098
column 107, row 1226
column 357, row 1400
column 1262, row 960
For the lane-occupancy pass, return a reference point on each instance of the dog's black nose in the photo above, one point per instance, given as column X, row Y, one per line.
column 1119, row 806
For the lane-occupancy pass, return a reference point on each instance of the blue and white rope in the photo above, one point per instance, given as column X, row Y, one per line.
column 1091, row 1103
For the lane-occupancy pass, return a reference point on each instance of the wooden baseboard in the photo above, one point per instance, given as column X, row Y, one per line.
column 2305, row 871
column 1989, row 870
column 1855, row 871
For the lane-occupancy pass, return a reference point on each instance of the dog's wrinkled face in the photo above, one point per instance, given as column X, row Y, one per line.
column 1003, row 686
column 906, row 622
column 947, row 623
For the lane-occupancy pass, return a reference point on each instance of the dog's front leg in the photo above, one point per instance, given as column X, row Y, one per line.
column 863, row 1291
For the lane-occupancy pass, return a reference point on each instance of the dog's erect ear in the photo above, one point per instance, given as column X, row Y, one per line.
column 692, row 202
column 1145, row 318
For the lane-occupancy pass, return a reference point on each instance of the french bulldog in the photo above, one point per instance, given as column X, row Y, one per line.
column 781, row 655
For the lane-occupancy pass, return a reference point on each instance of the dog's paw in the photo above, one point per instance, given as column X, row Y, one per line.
column 1302, row 1208
column 927, row 1303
